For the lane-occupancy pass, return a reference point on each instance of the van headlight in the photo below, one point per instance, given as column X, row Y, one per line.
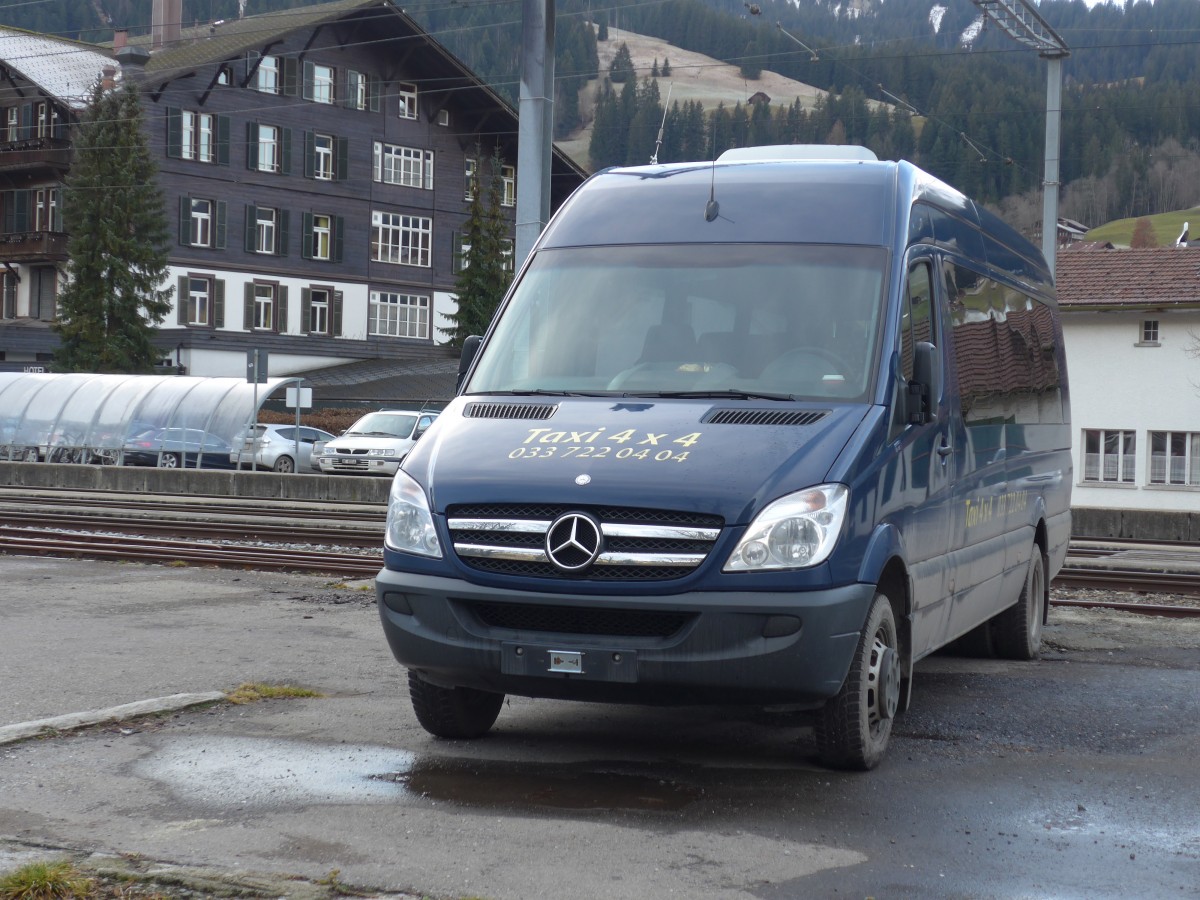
column 794, row 532
column 409, row 521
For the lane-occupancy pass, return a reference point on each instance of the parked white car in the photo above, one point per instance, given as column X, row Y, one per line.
column 377, row 443
column 274, row 447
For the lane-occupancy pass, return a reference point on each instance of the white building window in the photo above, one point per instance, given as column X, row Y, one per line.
column 265, row 225
column 201, row 233
column 318, row 311
column 323, row 157
column 322, row 84
column 357, row 89
column 267, row 76
column 264, row 306
column 268, row 148
column 1109, row 456
column 399, row 315
column 1150, row 332
column 470, row 168
column 405, row 166
column 407, row 94
column 508, row 179
column 400, row 239
column 196, row 136
column 199, row 300
column 322, row 230
column 1174, row 457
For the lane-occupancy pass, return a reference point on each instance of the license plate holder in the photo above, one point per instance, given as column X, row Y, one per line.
column 551, row 661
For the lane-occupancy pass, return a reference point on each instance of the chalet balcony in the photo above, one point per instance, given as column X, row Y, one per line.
column 33, row 246
column 35, row 155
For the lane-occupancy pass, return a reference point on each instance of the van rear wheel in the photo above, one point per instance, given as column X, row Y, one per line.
column 1017, row 631
column 453, row 712
column 853, row 728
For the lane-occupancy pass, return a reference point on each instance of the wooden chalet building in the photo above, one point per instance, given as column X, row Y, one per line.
column 316, row 165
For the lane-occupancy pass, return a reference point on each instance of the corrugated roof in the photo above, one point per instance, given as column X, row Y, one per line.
column 1113, row 279
column 63, row 69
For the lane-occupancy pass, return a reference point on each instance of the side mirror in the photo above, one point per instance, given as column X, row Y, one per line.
column 469, row 350
column 926, row 386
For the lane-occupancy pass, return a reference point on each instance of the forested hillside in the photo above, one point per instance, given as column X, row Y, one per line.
column 969, row 102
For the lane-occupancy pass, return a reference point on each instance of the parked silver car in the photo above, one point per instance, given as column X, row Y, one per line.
column 274, row 447
column 377, row 443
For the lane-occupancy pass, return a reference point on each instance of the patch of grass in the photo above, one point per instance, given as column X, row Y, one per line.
column 252, row 692
column 1166, row 228
column 57, row 880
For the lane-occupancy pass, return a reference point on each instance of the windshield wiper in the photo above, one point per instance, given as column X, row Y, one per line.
column 544, row 392
column 715, row 395
column 372, row 433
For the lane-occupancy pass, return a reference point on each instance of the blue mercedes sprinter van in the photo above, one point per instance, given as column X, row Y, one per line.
column 762, row 431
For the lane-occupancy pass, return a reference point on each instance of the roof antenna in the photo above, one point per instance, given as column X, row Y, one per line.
column 712, row 209
column 662, row 125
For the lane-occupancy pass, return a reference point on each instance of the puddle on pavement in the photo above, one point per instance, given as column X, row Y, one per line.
column 262, row 773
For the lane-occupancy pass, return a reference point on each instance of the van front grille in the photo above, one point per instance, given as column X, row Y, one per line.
column 532, row 617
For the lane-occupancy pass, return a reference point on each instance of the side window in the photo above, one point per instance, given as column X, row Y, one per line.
column 916, row 319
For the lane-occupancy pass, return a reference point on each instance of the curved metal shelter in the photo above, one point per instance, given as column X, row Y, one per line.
column 110, row 419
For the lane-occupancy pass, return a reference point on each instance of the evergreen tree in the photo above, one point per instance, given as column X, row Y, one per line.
column 603, row 29
column 117, row 245
column 485, row 264
column 666, row 68
column 621, row 67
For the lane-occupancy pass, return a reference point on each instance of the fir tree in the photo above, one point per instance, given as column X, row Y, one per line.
column 621, row 67
column 666, row 68
column 117, row 244
column 486, row 263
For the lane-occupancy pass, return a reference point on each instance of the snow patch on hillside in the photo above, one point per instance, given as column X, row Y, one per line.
column 936, row 14
column 971, row 32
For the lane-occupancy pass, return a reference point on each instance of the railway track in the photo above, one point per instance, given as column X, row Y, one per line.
column 347, row 540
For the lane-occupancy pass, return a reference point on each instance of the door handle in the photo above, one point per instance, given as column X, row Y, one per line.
column 944, row 450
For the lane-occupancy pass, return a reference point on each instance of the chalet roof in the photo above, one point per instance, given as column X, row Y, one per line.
column 1150, row 277
column 66, row 70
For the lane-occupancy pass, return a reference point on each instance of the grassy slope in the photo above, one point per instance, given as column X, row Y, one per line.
column 1166, row 228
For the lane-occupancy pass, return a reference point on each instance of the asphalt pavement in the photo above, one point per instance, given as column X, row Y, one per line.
column 1074, row 776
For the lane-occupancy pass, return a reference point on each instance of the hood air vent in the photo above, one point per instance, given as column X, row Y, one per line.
column 764, row 416
column 510, row 410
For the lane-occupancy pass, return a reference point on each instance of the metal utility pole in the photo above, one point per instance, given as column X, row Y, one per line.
column 535, row 134
column 1022, row 23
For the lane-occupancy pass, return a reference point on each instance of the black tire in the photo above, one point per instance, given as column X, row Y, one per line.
column 1017, row 632
column 453, row 712
column 853, row 728
column 284, row 464
column 168, row 461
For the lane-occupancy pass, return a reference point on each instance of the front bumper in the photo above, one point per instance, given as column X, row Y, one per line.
column 368, row 465
column 735, row 647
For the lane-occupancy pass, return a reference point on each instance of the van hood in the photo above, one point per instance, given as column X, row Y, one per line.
column 721, row 457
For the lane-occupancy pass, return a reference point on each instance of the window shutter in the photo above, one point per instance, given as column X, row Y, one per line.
column 306, row 227
column 219, row 235
column 308, row 80
column 281, row 233
column 339, row 226
column 7, row 203
column 27, row 131
column 350, row 94
column 251, row 145
column 310, row 154
column 22, row 221
column 248, row 312
column 185, row 220
column 223, row 140
column 218, row 289
column 251, row 243
column 285, row 156
column 174, row 132
column 181, row 300
column 281, row 304
column 305, row 309
column 337, row 314
column 456, row 265
column 373, row 93
column 291, row 75
column 342, row 162
column 252, row 57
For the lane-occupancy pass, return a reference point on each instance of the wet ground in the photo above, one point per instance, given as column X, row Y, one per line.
column 1072, row 777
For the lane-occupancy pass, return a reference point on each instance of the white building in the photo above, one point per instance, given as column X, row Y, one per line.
column 1131, row 324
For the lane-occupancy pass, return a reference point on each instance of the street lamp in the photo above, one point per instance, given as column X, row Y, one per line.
column 1022, row 23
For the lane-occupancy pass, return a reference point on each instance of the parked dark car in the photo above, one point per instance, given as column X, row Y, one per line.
column 173, row 448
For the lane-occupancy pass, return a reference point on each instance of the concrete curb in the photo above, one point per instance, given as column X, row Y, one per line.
column 22, row 730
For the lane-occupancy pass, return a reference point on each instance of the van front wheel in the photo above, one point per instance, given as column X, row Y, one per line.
column 453, row 712
column 853, row 728
column 1017, row 632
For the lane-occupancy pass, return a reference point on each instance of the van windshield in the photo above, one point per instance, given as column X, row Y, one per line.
column 768, row 321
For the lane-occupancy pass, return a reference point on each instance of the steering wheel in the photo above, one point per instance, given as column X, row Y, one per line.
column 802, row 362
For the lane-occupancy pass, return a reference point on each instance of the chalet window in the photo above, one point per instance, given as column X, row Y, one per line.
column 318, row 82
column 1174, row 457
column 267, row 76
column 321, row 310
column 1109, row 456
column 225, row 75
column 265, row 306
column 45, row 210
column 322, row 237
column 508, row 180
column 399, row 315
column 1150, row 332
column 202, row 222
column 13, row 124
column 462, row 253
column 268, row 148
column 443, row 117
column 407, row 94
column 197, row 136
column 9, row 309
column 41, row 113
column 326, row 157
column 405, row 166
column 401, row 239
column 470, row 170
